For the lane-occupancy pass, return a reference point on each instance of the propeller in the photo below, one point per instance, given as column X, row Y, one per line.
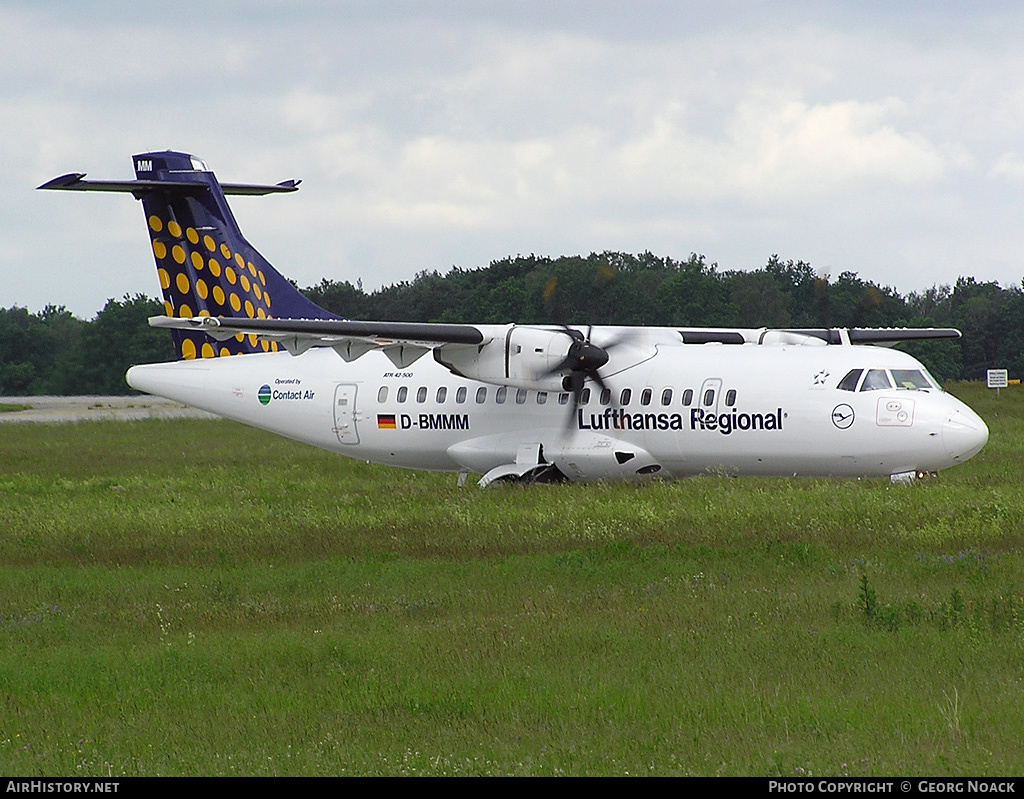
column 582, row 362
column 583, row 358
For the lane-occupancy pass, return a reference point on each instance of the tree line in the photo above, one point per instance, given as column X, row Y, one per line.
column 54, row 352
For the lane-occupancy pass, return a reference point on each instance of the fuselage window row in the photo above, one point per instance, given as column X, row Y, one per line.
column 541, row 397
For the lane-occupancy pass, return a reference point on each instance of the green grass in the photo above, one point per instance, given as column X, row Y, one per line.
column 11, row 407
column 196, row 597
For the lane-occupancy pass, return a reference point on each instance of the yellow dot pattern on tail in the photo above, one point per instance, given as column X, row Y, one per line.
column 195, row 283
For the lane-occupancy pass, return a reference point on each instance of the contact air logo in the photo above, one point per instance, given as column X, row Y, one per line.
column 287, row 390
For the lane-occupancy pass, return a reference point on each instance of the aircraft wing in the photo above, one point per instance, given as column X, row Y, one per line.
column 879, row 336
column 883, row 336
column 545, row 352
column 402, row 342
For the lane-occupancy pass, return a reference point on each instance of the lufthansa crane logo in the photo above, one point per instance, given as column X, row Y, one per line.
column 842, row 416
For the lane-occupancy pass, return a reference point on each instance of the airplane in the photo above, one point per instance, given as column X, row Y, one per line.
column 521, row 403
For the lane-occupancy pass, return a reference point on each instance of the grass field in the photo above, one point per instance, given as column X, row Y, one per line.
column 195, row 597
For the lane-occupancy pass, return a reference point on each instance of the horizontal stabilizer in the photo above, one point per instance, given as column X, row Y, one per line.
column 73, row 181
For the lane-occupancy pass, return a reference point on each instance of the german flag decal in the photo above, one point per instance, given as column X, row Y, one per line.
column 386, row 421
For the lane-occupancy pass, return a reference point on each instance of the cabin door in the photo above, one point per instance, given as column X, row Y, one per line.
column 345, row 413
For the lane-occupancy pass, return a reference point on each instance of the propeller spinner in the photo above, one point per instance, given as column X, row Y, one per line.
column 582, row 362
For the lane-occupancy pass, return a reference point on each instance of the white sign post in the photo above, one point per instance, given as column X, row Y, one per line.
column 997, row 379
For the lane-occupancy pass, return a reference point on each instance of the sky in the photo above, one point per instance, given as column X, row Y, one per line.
column 880, row 138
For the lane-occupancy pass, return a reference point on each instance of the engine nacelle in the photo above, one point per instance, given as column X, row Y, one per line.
column 522, row 357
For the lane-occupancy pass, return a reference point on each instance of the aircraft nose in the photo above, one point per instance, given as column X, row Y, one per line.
column 964, row 434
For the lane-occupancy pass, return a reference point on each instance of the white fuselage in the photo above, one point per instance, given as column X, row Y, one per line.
column 691, row 409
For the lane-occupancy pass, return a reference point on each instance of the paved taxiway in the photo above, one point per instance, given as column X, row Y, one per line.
column 80, row 409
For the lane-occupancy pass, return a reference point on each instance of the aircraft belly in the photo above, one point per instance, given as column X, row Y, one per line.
column 407, row 448
column 447, row 437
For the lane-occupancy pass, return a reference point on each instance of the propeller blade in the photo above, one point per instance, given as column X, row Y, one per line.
column 574, row 383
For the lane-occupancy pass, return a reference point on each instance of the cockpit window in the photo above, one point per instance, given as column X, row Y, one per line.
column 910, row 378
column 849, row 383
column 874, row 380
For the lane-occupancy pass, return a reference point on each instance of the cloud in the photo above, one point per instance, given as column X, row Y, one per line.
column 430, row 134
column 1009, row 166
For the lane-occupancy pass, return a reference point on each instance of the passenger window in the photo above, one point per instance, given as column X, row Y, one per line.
column 709, row 398
column 403, row 392
column 666, row 397
column 563, row 399
column 382, row 394
column 521, row 396
column 606, row 396
column 645, row 397
column 730, row 397
column 421, row 394
column 542, row 397
column 460, row 395
column 688, row 397
column 585, row 396
column 874, row 380
column 499, row 395
column 849, row 383
column 481, row 395
column 625, row 396
column 442, row 395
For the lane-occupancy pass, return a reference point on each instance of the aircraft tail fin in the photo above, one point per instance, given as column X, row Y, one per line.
column 204, row 263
